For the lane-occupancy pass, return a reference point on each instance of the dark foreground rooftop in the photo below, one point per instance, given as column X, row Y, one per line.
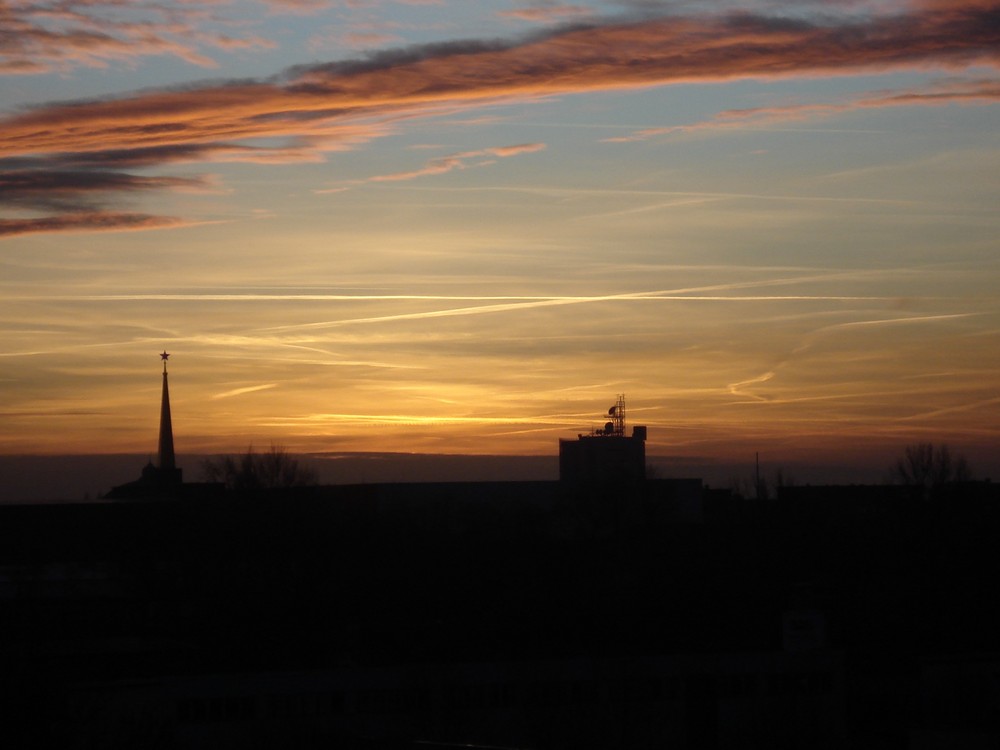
column 514, row 614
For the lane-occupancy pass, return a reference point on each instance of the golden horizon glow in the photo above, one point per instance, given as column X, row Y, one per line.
column 772, row 228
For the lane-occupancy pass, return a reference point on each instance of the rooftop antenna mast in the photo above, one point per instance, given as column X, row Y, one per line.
column 616, row 426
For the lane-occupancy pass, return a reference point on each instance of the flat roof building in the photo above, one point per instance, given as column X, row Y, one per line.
column 607, row 455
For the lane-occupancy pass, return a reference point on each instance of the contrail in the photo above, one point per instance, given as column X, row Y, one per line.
column 241, row 391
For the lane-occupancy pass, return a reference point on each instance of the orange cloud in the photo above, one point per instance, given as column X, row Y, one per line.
column 460, row 161
column 437, row 166
column 327, row 106
column 308, row 100
column 520, row 148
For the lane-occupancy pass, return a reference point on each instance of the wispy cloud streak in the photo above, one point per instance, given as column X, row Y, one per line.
column 742, row 388
column 462, row 160
column 548, row 12
column 75, row 190
column 244, row 391
column 977, row 91
column 42, row 36
column 195, row 297
column 532, row 303
column 97, row 221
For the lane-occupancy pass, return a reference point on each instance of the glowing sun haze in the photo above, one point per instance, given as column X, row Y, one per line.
column 453, row 227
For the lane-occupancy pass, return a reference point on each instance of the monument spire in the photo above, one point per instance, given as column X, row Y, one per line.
column 167, row 463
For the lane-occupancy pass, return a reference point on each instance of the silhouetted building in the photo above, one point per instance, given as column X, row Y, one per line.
column 605, row 456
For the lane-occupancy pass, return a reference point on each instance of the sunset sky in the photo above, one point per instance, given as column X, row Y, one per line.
column 444, row 226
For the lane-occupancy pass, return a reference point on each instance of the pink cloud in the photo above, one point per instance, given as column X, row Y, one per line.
column 435, row 166
column 520, row 148
column 316, row 100
column 320, row 108
column 460, row 161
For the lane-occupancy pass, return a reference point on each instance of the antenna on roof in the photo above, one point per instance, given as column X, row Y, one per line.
column 616, row 426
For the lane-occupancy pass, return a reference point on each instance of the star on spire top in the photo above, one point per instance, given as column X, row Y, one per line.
column 164, row 356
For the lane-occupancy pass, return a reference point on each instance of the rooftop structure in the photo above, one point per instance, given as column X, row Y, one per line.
column 605, row 455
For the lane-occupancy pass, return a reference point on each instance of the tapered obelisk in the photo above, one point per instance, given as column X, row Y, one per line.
column 167, row 463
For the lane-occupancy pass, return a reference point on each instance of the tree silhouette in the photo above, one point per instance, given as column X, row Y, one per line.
column 930, row 466
column 763, row 487
column 249, row 471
